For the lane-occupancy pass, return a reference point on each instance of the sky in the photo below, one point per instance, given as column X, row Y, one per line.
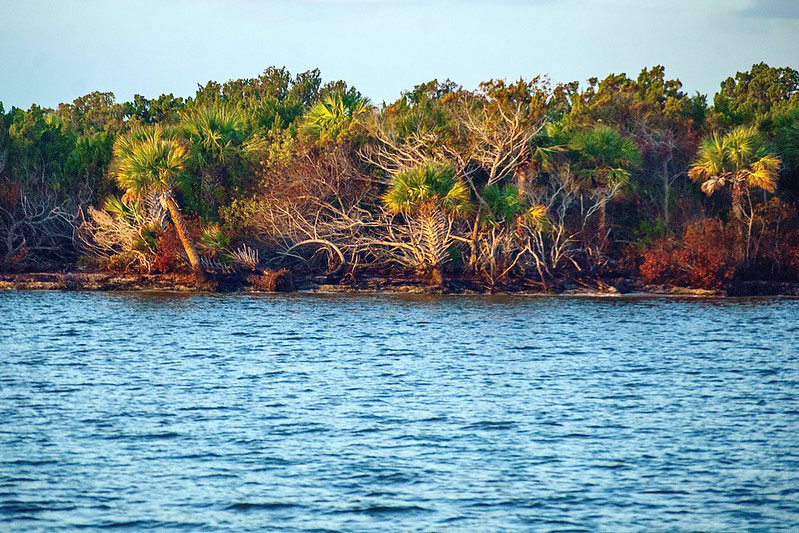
column 53, row 51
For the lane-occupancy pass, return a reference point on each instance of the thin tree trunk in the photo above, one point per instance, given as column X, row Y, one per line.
column 742, row 248
column 666, row 195
column 603, row 223
column 473, row 243
column 737, row 204
column 750, row 222
column 168, row 202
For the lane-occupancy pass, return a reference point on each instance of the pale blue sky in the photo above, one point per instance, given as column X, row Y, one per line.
column 55, row 50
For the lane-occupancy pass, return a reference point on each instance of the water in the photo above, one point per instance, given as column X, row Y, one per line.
column 384, row 413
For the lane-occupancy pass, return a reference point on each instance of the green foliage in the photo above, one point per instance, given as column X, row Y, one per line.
column 505, row 203
column 603, row 156
column 572, row 148
column 423, row 110
column 754, row 96
column 786, row 137
column 431, row 183
column 786, row 144
column 148, row 160
column 651, row 100
column 648, row 232
column 739, row 159
column 217, row 137
column 215, row 134
column 164, row 110
column 214, row 241
column 335, row 117
column 95, row 112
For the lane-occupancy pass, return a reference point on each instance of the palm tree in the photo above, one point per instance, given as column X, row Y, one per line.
column 428, row 183
column 741, row 161
column 505, row 203
column 604, row 159
column 430, row 197
column 152, row 161
column 334, row 116
column 216, row 135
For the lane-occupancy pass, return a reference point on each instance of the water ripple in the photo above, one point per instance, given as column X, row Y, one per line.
column 413, row 413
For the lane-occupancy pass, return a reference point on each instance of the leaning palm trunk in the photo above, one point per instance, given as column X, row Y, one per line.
column 168, row 202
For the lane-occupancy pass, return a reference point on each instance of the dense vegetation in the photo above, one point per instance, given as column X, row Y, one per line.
column 524, row 183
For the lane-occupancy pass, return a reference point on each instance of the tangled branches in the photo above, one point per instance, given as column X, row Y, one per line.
column 36, row 227
column 122, row 234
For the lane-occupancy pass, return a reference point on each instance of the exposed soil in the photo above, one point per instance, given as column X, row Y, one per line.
column 370, row 282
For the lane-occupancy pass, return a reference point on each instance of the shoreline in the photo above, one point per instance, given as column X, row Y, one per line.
column 285, row 282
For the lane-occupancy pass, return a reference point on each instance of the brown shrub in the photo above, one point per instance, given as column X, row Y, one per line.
column 169, row 255
column 657, row 261
column 704, row 259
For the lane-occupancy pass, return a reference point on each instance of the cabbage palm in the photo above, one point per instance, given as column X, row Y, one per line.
column 741, row 161
column 604, row 160
column 738, row 160
column 152, row 161
column 430, row 197
column 428, row 183
column 505, row 203
column 335, row 116
column 216, row 135
column 215, row 132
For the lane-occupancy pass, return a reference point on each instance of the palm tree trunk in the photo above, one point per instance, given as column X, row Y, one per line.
column 742, row 248
column 737, row 204
column 749, row 223
column 436, row 276
column 603, row 223
column 168, row 202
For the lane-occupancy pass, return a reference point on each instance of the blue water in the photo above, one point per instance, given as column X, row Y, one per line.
column 388, row 413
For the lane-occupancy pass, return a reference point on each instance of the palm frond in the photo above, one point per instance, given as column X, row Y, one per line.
column 335, row 115
column 430, row 182
column 149, row 159
column 740, row 158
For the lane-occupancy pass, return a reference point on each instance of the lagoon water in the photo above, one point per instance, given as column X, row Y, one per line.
column 397, row 413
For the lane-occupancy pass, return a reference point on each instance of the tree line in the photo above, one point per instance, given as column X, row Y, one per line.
column 512, row 182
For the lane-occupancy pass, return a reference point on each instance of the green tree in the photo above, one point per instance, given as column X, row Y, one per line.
column 94, row 113
column 40, row 149
column 786, row 143
column 163, row 110
column 603, row 161
column 153, row 160
column 755, row 95
column 505, row 203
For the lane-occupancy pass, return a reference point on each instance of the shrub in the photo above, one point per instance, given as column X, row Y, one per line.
column 704, row 259
column 170, row 255
column 775, row 241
